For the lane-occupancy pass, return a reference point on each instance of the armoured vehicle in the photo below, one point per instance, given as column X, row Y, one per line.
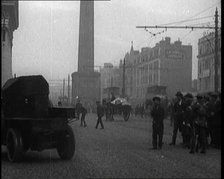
column 29, row 122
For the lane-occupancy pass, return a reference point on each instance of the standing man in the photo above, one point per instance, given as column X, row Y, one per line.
column 157, row 114
column 100, row 112
column 83, row 112
column 178, row 116
column 201, row 124
column 78, row 107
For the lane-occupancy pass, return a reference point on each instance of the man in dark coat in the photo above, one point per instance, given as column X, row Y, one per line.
column 83, row 112
column 78, row 107
column 200, row 124
column 157, row 114
column 187, row 120
column 178, row 116
column 100, row 113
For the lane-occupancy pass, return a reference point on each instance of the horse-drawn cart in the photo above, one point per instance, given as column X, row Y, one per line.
column 119, row 106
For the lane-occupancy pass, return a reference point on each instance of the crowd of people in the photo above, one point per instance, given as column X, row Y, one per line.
column 198, row 119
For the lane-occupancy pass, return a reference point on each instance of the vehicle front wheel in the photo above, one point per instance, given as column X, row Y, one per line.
column 66, row 144
column 14, row 143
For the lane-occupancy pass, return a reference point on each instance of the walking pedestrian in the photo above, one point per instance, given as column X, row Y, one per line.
column 100, row 113
column 83, row 112
column 157, row 114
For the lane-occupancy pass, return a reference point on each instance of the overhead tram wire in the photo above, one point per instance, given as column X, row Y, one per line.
column 205, row 10
column 188, row 20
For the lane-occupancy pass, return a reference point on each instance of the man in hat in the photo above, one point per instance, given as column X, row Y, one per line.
column 157, row 114
column 100, row 113
column 178, row 116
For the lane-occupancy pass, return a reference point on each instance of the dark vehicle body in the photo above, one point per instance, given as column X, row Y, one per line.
column 29, row 122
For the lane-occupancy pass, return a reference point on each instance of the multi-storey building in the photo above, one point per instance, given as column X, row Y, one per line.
column 206, row 49
column 10, row 22
column 165, row 66
column 111, row 78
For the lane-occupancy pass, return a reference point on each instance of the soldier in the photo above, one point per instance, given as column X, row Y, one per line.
column 200, row 124
column 83, row 112
column 100, row 113
column 178, row 116
column 157, row 114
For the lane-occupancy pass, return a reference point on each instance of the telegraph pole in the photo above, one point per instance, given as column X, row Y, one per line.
column 68, row 89
column 123, row 89
column 216, row 28
column 216, row 59
column 63, row 90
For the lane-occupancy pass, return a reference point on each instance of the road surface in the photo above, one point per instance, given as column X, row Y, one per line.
column 121, row 150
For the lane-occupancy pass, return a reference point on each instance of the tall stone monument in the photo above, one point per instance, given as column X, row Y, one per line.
column 86, row 82
column 10, row 22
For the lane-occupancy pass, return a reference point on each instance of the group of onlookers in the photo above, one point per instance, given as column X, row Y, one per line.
column 197, row 118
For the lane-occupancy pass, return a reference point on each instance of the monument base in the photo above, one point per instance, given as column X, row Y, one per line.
column 87, row 87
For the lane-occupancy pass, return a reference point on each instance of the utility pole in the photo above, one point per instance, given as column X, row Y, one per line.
column 68, row 89
column 123, row 89
column 216, row 59
column 63, row 94
column 216, row 28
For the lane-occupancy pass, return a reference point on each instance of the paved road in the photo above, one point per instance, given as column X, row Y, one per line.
column 121, row 150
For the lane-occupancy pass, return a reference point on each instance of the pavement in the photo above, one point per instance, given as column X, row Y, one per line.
column 121, row 150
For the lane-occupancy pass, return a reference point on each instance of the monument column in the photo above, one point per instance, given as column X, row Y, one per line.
column 86, row 82
column 86, row 37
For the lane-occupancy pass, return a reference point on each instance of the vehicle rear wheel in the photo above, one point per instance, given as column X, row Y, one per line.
column 14, row 144
column 66, row 144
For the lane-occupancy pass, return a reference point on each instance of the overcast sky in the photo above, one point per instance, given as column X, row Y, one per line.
column 46, row 41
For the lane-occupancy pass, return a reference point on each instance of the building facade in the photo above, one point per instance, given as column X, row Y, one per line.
column 166, row 66
column 10, row 22
column 111, row 78
column 206, row 72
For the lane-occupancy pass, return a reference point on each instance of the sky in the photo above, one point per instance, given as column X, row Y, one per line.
column 46, row 41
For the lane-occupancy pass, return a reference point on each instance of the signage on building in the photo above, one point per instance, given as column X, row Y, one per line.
column 174, row 54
